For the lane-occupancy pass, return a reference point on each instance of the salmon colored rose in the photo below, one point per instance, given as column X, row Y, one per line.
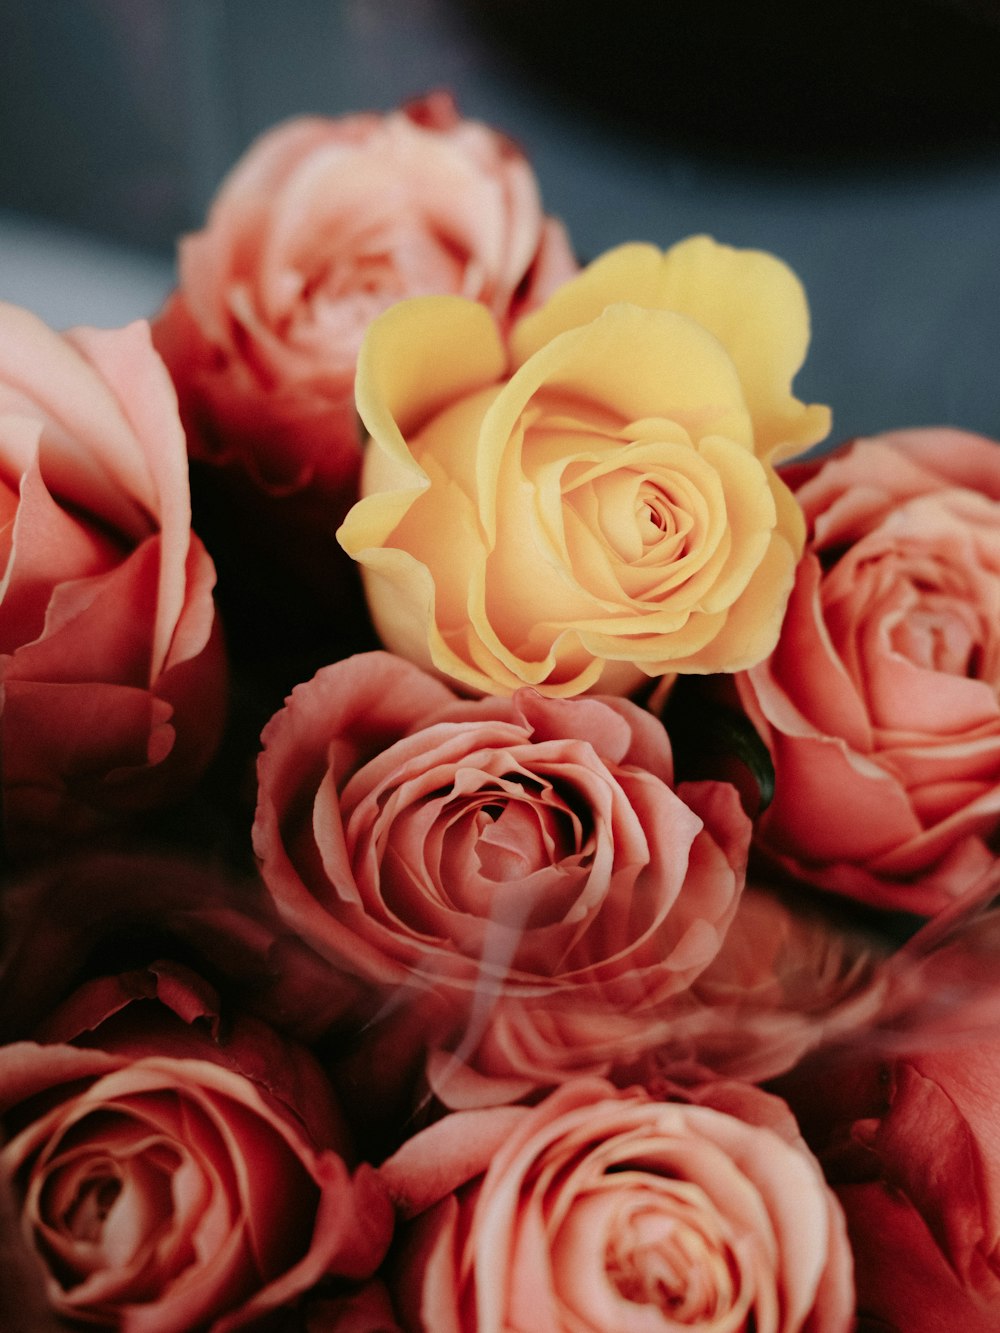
column 175, row 1167
column 525, row 853
column 599, row 1211
column 320, row 226
column 594, row 503
column 111, row 671
column 881, row 703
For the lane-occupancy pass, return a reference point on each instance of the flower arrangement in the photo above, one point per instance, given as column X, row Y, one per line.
column 528, row 862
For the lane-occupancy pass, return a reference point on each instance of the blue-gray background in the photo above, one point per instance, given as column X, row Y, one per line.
column 119, row 117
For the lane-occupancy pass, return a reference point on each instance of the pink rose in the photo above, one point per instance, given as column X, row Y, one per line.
column 322, row 225
column 525, row 862
column 110, row 662
column 608, row 1211
column 881, row 702
column 175, row 1167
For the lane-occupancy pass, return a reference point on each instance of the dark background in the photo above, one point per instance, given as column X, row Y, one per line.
column 859, row 141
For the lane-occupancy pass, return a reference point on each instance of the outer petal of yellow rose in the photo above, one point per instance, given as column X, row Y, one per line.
column 751, row 301
column 417, row 358
column 399, row 533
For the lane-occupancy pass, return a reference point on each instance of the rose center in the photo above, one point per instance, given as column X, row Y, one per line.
column 940, row 635
column 511, row 842
column 652, row 518
column 85, row 1215
column 105, row 1208
column 671, row 1263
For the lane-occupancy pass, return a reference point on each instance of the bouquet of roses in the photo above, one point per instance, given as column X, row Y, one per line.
column 528, row 862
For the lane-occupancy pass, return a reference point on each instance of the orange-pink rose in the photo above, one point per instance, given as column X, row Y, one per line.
column 526, row 861
column 176, row 1166
column 881, row 702
column 110, row 663
column 322, row 225
column 600, row 1211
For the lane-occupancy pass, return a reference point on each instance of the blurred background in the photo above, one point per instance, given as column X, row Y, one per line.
column 860, row 141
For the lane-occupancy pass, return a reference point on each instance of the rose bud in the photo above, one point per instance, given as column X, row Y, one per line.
column 527, row 864
column 600, row 1211
column 320, row 226
column 111, row 670
column 881, row 703
column 177, row 1167
column 595, row 503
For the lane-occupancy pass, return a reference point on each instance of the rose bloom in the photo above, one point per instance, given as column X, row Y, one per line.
column 110, row 664
column 907, row 1129
column 177, row 1167
column 608, row 1211
column 319, row 227
column 522, row 854
column 881, row 702
column 595, row 503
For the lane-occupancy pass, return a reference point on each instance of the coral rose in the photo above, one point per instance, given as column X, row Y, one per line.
column 607, row 1211
column 907, row 1129
column 176, row 1168
column 526, row 853
column 881, row 702
column 596, row 504
column 322, row 225
column 110, row 666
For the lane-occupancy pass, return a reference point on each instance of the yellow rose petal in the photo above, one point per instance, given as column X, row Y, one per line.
column 751, row 301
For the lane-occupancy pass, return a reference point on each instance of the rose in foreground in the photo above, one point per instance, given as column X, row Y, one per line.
column 526, row 860
column 881, row 702
column 608, row 1211
column 322, row 225
column 594, row 504
column 110, row 663
column 175, row 1168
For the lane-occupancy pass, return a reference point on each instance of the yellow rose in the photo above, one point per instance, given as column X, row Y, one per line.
column 597, row 502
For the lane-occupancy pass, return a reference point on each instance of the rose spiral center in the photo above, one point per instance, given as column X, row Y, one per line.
column 941, row 635
column 86, row 1212
column 665, row 1254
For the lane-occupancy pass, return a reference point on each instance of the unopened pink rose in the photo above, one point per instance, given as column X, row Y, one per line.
column 525, row 862
column 599, row 1211
column 881, row 703
column 111, row 667
column 320, row 226
column 175, row 1166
